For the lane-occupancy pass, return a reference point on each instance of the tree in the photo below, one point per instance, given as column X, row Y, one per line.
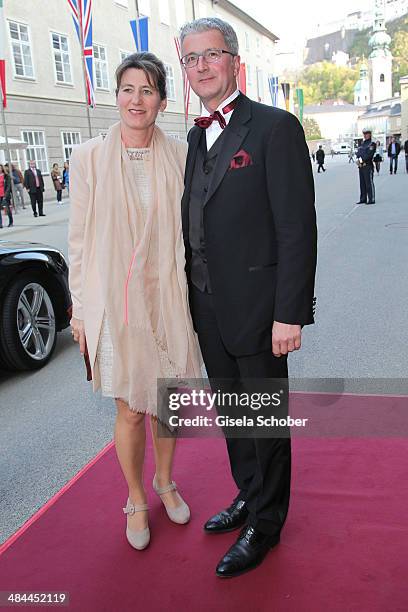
column 311, row 127
column 399, row 50
column 326, row 81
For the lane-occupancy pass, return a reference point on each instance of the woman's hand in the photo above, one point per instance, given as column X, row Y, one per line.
column 78, row 333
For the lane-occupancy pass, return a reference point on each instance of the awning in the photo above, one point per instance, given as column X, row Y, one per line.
column 12, row 144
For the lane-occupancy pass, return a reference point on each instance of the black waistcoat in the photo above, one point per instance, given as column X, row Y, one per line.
column 202, row 174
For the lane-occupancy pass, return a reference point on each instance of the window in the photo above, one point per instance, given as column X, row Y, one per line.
column 246, row 41
column 259, row 84
column 124, row 54
column 249, row 75
column 69, row 141
column 15, row 157
column 124, row 3
column 21, row 50
column 171, row 90
column 258, row 46
column 382, row 78
column 164, row 11
column 61, row 58
column 36, row 149
column 101, row 67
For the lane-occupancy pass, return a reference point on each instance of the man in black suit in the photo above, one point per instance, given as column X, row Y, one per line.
column 320, row 155
column 249, row 230
column 394, row 149
column 34, row 183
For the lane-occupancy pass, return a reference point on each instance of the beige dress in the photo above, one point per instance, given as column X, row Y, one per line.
column 104, row 353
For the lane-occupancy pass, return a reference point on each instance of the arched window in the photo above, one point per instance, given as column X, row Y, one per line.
column 382, row 78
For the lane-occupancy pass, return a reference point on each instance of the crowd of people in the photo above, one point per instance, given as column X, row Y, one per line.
column 12, row 186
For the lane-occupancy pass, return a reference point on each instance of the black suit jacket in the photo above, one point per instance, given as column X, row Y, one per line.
column 397, row 149
column 29, row 180
column 260, row 227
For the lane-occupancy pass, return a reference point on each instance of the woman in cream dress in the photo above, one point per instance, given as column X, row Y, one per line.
column 127, row 280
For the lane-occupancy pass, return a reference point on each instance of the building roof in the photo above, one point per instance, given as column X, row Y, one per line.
column 386, row 110
column 314, row 109
column 321, row 48
column 240, row 14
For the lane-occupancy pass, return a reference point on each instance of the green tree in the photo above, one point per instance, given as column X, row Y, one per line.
column 311, row 127
column 399, row 50
column 326, row 81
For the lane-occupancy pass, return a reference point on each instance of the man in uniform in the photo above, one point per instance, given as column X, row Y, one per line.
column 365, row 154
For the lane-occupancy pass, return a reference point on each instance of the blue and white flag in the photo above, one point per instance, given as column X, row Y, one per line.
column 140, row 30
column 274, row 89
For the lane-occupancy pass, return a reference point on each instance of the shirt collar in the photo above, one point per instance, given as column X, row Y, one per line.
column 232, row 97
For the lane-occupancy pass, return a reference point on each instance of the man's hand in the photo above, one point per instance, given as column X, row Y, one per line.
column 78, row 333
column 285, row 338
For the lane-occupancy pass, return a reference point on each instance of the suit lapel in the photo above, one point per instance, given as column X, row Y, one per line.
column 194, row 139
column 234, row 135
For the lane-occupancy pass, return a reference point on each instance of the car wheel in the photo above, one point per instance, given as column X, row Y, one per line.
column 28, row 333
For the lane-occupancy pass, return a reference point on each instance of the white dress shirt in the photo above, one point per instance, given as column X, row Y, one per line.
column 212, row 132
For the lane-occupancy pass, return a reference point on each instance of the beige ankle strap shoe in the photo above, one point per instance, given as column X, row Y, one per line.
column 138, row 539
column 180, row 514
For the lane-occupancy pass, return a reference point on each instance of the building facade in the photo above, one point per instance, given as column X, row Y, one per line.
column 45, row 87
column 404, row 108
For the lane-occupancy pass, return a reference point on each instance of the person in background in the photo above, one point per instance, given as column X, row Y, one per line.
column 394, row 149
column 365, row 155
column 320, row 155
column 34, row 183
column 406, row 154
column 65, row 176
column 5, row 195
column 18, row 181
column 378, row 157
column 57, row 180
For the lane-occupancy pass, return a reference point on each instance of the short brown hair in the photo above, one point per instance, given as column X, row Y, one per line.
column 152, row 67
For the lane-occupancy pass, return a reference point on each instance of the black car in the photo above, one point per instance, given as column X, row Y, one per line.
column 35, row 303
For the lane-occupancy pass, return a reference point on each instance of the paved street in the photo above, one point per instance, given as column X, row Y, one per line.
column 50, row 422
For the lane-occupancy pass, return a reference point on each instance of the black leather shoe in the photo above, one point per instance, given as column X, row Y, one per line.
column 42, row 215
column 247, row 553
column 35, row 214
column 227, row 520
column 370, row 203
column 361, row 203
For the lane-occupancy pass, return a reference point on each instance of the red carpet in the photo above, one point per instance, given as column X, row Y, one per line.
column 344, row 546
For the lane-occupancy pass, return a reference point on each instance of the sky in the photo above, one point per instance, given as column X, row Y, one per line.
column 294, row 20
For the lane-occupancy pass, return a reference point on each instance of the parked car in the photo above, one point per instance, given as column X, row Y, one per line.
column 35, row 303
column 341, row 147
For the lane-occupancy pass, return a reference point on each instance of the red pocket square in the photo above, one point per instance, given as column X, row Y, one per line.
column 242, row 159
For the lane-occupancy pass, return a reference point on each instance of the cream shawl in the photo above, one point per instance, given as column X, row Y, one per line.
column 141, row 266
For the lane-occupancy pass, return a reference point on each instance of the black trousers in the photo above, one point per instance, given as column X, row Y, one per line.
column 260, row 467
column 37, row 198
column 367, row 189
column 320, row 165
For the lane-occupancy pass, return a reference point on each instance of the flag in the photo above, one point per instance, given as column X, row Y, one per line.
column 242, row 78
column 286, row 94
column 3, row 54
column 273, row 82
column 186, row 83
column 82, row 15
column 140, row 31
column 300, row 100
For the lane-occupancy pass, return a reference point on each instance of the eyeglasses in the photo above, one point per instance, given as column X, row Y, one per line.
column 210, row 55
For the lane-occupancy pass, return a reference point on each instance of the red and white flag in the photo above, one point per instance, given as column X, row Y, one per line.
column 186, row 83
